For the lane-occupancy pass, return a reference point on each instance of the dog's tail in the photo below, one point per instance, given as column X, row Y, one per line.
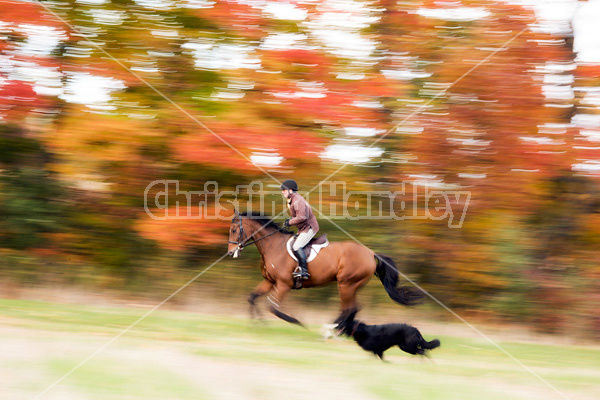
column 388, row 274
column 429, row 345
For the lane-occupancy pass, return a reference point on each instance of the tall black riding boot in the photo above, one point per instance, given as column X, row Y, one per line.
column 301, row 256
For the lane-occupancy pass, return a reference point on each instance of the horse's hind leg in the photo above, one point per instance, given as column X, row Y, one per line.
column 263, row 288
column 347, row 299
column 275, row 298
column 344, row 315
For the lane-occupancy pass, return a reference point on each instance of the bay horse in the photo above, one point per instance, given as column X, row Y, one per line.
column 349, row 263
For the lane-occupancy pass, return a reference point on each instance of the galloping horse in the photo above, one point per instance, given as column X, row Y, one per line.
column 349, row 263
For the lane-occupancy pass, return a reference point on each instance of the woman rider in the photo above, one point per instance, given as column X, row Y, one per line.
column 304, row 219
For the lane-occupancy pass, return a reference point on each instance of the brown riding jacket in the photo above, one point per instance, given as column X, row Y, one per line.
column 302, row 215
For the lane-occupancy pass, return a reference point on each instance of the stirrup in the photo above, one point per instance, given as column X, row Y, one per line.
column 298, row 273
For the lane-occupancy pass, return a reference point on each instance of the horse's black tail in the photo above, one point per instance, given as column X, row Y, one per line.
column 388, row 274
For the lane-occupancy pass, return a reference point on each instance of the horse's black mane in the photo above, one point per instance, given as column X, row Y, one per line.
column 265, row 221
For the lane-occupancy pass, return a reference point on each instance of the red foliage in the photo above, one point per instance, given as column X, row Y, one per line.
column 17, row 98
column 234, row 17
column 18, row 12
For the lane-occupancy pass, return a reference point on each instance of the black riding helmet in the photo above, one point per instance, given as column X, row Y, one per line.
column 289, row 184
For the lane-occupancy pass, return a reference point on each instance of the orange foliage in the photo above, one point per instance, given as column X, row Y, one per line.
column 179, row 234
column 205, row 148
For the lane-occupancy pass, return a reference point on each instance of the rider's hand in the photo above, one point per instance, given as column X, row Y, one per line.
column 286, row 223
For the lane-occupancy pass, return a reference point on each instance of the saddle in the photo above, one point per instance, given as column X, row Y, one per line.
column 311, row 249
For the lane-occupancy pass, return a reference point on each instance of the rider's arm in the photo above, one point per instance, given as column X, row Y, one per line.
column 300, row 210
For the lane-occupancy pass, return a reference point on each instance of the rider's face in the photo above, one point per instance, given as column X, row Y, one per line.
column 285, row 193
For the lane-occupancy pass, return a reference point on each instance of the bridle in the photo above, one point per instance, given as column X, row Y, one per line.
column 244, row 241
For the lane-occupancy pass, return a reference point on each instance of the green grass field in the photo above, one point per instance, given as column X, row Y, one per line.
column 180, row 355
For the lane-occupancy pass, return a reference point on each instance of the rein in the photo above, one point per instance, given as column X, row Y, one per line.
column 243, row 242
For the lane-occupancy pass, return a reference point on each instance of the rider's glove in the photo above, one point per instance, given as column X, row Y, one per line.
column 286, row 223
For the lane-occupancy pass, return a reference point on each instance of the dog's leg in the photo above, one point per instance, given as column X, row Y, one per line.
column 429, row 358
column 410, row 350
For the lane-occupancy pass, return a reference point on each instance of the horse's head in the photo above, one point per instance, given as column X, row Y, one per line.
column 249, row 228
column 236, row 236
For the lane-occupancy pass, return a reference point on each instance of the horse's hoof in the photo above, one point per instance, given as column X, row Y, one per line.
column 327, row 331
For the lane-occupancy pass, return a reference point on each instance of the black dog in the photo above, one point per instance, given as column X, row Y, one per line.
column 379, row 338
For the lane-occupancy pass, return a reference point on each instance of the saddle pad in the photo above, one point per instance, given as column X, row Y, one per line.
column 314, row 250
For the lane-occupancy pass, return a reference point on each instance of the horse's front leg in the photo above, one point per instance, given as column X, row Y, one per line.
column 263, row 288
column 276, row 297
